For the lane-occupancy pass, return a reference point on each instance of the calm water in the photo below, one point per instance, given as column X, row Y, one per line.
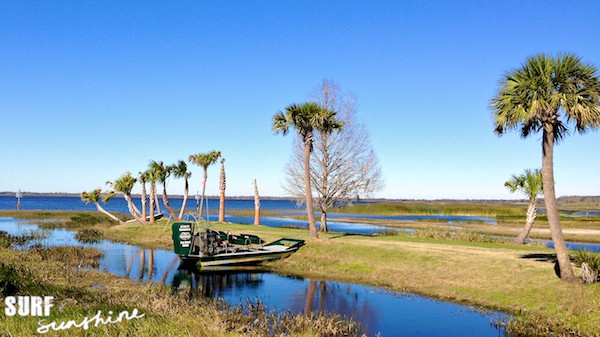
column 118, row 204
column 379, row 311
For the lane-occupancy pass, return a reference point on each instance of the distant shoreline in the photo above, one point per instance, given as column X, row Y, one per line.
column 562, row 199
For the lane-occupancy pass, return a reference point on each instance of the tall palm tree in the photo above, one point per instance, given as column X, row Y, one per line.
column 153, row 173
column 204, row 160
column 163, row 173
column 530, row 184
column 546, row 94
column 143, row 179
column 306, row 119
column 180, row 170
column 94, row 197
column 124, row 185
column 222, row 186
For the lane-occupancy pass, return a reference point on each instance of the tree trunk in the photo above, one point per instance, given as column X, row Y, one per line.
column 312, row 227
column 256, row 205
column 202, row 199
column 531, row 215
column 156, row 203
column 133, row 210
column 103, row 211
column 165, row 198
column 222, row 185
column 562, row 255
column 323, row 227
column 152, row 201
column 144, row 201
column 185, row 197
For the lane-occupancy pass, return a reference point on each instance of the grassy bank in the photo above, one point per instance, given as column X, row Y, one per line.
column 516, row 279
column 80, row 294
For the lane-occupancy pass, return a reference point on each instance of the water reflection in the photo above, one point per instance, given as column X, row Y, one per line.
column 300, row 296
column 143, row 262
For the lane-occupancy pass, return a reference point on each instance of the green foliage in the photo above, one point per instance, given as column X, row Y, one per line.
column 86, row 220
column 124, row 183
column 529, row 183
column 544, row 86
column 7, row 240
column 204, row 160
column 180, row 170
column 306, row 118
column 432, row 208
column 73, row 256
column 446, row 234
column 89, row 235
column 592, row 260
column 92, row 196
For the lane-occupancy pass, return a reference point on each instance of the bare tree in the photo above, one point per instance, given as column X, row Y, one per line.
column 256, row 205
column 343, row 163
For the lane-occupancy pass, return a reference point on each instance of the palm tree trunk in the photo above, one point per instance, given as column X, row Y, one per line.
column 256, row 205
column 222, row 186
column 152, row 201
column 312, row 227
column 158, row 210
column 531, row 215
column 133, row 210
column 144, row 201
column 165, row 198
column 103, row 211
column 203, row 191
column 562, row 255
column 185, row 197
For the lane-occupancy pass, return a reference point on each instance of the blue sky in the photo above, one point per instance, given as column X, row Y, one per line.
column 91, row 89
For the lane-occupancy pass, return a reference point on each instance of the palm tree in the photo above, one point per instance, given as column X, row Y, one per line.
column 222, row 186
column 163, row 174
column 143, row 179
column 204, row 160
column 546, row 94
column 530, row 184
column 180, row 170
column 306, row 119
column 124, row 185
column 94, row 197
column 153, row 174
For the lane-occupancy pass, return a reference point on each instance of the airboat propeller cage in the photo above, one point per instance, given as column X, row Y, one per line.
column 183, row 235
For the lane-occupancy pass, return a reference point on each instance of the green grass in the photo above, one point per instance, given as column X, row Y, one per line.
column 433, row 208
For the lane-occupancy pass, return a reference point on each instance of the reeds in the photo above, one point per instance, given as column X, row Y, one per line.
column 88, row 235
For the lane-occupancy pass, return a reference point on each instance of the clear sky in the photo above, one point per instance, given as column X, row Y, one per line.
column 92, row 89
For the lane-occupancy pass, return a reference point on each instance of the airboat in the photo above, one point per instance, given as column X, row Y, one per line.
column 198, row 245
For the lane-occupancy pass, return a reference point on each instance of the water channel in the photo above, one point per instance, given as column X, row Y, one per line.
column 379, row 311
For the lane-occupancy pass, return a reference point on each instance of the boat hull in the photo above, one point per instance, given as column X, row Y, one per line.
column 250, row 258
